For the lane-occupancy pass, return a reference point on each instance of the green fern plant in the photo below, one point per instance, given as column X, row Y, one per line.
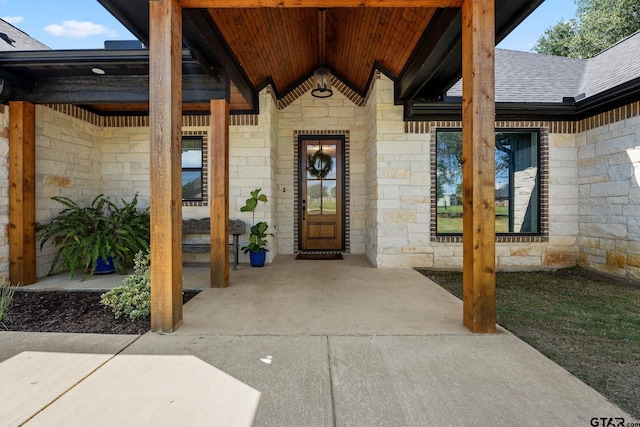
column 103, row 229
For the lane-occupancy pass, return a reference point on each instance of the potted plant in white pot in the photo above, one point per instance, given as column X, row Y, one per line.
column 257, row 246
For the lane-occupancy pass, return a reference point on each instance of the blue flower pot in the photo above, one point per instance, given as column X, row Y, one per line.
column 257, row 258
column 103, row 267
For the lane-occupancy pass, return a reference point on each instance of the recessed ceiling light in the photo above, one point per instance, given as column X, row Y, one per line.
column 99, row 71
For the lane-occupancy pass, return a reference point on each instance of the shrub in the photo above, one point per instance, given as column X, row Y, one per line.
column 134, row 297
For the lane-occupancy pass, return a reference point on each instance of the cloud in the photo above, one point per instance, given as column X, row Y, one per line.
column 13, row 20
column 78, row 29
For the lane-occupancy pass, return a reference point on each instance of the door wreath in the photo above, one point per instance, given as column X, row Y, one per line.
column 319, row 164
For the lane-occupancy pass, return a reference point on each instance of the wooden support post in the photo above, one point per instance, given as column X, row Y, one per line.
column 219, row 190
column 478, row 165
column 165, row 110
column 22, row 193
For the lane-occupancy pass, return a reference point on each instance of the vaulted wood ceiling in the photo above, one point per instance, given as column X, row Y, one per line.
column 285, row 46
column 418, row 47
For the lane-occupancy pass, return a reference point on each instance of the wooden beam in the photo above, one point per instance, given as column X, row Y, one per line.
column 22, row 193
column 165, row 110
column 478, row 168
column 219, row 190
column 317, row 3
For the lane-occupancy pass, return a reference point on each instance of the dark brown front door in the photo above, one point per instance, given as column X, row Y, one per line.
column 321, row 193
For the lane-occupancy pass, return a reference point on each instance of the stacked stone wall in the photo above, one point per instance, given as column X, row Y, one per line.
column 609, row 178
column 308, row 115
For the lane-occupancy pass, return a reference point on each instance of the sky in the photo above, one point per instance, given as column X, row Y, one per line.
column 85, row 24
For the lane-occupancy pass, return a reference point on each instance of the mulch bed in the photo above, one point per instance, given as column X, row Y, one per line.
column 70, row 311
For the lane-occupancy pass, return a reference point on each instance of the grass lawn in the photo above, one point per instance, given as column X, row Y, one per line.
column 586, row 322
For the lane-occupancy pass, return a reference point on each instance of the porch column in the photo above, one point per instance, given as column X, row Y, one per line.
column 478, row 168
column 165, row 110
column 219, row 199
column 22, row 193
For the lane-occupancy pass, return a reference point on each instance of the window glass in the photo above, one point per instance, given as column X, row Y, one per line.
column 192, row 174
column 516, row 182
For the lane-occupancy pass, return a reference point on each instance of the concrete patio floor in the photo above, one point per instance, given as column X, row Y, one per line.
column 324, row 343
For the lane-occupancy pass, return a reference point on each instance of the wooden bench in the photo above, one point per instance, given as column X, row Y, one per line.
column 203, row 226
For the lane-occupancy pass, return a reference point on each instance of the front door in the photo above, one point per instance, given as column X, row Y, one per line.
column 321, row 193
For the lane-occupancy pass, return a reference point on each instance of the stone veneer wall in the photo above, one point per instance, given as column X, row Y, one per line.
column 371, row 178
column 401, row 188
column 609, row 189
column 592, row 196
column 68, row 163
column 309, row 115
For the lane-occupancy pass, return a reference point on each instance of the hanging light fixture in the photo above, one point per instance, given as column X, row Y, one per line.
column 322, row 83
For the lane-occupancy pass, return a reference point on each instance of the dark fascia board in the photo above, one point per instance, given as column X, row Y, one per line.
column 513, row 111
column 615, row 97
column 111, row 89
column 63, row 57
column 96, row 57
column 608, row 100
column 441, row 37
column 133, row 15
column 436, row 63
column 199, row 34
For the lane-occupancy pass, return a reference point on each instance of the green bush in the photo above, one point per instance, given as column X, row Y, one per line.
column 104, row 230
column 134, row 297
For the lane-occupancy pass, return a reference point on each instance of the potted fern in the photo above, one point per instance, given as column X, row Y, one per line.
column 102, row 237
column 257, row 246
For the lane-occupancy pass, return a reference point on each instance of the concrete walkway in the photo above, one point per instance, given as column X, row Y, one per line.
column 311, row 343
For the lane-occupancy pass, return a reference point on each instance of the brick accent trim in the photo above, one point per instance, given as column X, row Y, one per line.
column 554, row 127
column 194, row 120
column 307, row 85
column 347, row 193
column 544, row 183
column 612, row 116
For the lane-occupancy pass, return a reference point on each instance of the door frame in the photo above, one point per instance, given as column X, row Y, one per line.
column 342, row 137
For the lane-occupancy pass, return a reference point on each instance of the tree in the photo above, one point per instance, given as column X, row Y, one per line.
column 598, row 24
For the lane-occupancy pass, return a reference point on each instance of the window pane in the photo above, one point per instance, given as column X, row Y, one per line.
column 192, row 168
column 314, row 197
column 321, row 161
column 192, row 185
column 449, row 182
column 329, row 196
column 516, row 182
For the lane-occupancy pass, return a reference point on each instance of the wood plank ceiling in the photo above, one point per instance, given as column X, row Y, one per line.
column 284, row 46
column 282, row 42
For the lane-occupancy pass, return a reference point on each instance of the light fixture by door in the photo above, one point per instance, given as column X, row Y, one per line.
column 322, row 83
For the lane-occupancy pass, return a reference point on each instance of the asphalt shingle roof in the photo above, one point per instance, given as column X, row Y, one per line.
column 532, row 77
column 13, row 39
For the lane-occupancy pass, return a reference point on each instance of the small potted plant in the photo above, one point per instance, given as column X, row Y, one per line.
column 100, row 238
column 257, row 246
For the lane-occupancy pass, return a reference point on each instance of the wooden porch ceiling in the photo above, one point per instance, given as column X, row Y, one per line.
column 253, row 43
column 285, row 46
